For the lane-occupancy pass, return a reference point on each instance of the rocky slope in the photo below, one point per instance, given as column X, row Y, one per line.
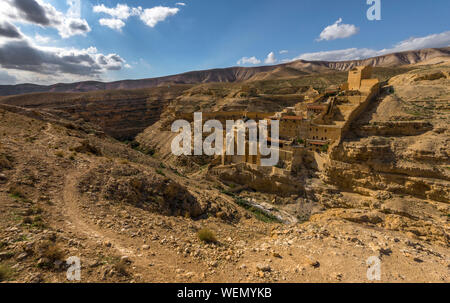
column 234, row 74
column 122, row 114
column 134, row 213
column 65, row 192
column 402, row 143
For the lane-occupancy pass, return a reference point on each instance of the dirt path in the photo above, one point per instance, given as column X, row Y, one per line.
column 152, row 268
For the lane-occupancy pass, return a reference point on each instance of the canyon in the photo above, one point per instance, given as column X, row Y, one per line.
column 86, row 170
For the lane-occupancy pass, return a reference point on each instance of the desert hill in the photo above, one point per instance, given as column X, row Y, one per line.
column 135, row 213
column 235, row 74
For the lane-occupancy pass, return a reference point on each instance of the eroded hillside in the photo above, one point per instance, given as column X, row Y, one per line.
column 134, row 212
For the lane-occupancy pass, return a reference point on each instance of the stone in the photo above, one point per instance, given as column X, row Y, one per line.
column 42, row 262
column 36, row 278
column 277, row 255
column 264, row 267
column 125, row 259
column 5, row 256
column 58, row 264
column 22, row 256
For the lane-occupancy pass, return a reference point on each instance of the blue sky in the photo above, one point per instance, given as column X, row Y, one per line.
column 204, row 34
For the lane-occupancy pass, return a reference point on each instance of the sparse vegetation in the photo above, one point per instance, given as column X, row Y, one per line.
column 17, row 193
column 3, row 244
column 206, row 235
column 121, row 267
column 5, row 272
column 27, row 220
column 227, row 192
column 5, row 163
column 38, row 222
column 52, row 252
column 258, row 213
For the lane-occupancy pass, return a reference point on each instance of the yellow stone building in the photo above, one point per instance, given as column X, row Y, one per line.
column 315, row 126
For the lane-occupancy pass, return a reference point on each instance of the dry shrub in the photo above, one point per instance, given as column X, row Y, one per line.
column 52, row 252
column 17, row 192
column 121, row 267
column 5, row 272
column 5, row 163
column 207, row 236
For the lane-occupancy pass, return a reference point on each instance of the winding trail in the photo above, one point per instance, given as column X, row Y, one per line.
column 164, row 264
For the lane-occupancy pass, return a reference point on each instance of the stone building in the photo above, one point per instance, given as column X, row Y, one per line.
column 313, row 126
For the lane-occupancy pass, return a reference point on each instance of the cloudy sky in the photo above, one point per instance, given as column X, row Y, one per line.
column 52, row 41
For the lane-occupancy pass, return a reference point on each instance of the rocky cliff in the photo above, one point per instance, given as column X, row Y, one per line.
column 401, row 144
column 121, row 114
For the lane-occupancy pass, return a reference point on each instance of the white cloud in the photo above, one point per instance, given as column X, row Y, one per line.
column 283, row 52
column 152, row 16
column 338, row 55
column 74, row 8
column 7, row 79
column 71, row 27
column 180, row 4
column 338, row 31
column 270, row 58
column 28, row 59
column 25, row 60
column 121, row 11
column 41, row 39
column 43, row 14
column 431, row 41
column 112, row 23
column 435, row 40
column 246, row 60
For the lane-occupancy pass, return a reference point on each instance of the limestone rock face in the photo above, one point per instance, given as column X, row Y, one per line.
column 121, row 114
column 401, row 144
column 263, row 179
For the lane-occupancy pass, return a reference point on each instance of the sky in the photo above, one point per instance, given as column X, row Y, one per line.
column 55, row 41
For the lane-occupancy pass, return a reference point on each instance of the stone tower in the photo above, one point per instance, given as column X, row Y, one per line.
column 357, row 75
